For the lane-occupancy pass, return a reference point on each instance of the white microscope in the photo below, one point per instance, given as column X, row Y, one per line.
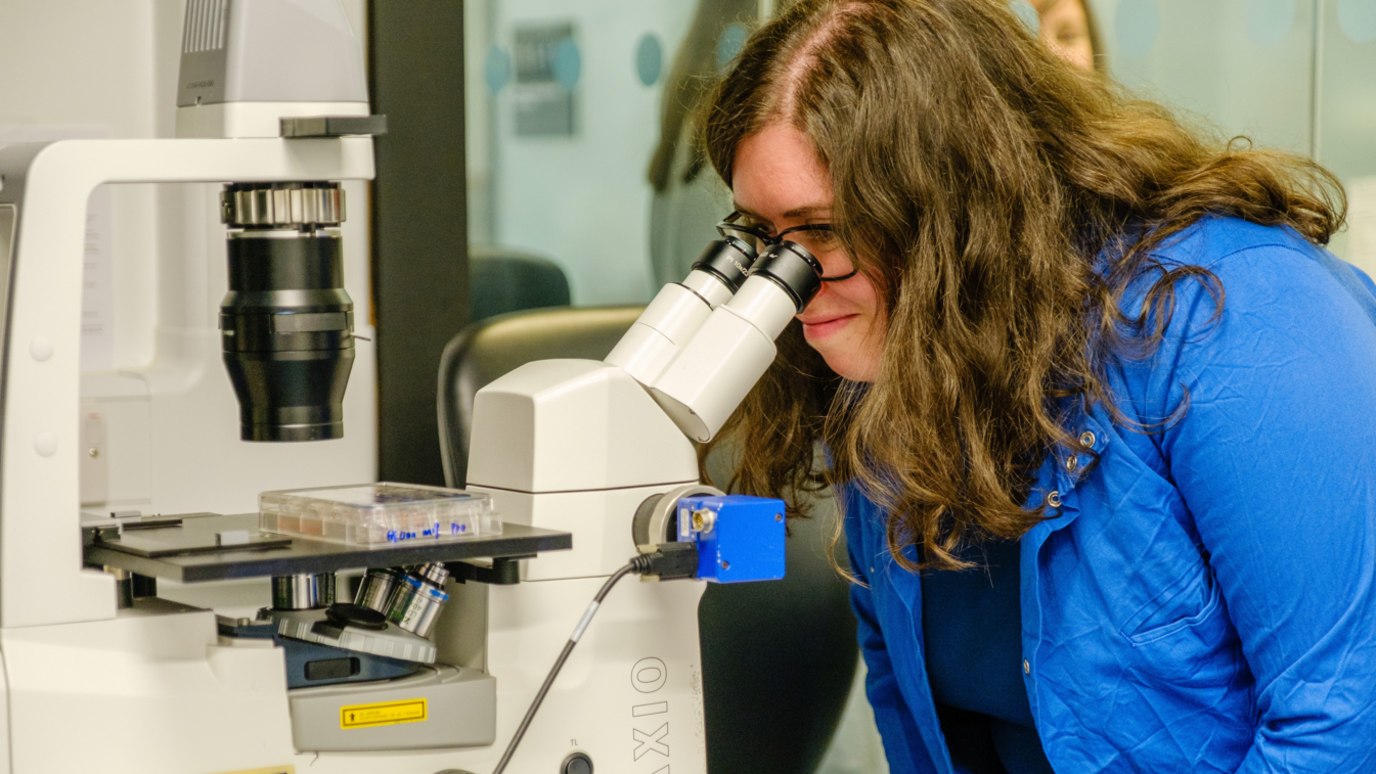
column 99, row 673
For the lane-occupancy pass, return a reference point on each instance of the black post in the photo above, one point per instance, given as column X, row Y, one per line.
column 420, row 224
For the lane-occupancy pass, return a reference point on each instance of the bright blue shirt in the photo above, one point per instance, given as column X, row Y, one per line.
column 972, row 643
column 1204, row 598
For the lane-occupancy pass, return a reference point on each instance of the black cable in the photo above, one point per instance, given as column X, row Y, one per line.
column 640, row 564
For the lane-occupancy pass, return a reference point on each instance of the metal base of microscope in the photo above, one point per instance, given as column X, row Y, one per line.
column 389, row 715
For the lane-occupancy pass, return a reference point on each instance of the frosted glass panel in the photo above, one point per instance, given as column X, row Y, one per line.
column 564, row 113
column 565, row 100
column 1241, row 66
column 1348, row 107
column 1347, row 118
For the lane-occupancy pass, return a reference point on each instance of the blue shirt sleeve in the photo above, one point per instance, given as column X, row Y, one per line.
column 902, row 741
column 1276, row 461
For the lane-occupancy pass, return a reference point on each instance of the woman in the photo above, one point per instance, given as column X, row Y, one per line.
column 1067, row 27
column 1097, row 402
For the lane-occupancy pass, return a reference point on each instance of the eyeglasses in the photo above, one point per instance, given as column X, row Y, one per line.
column 817, row 238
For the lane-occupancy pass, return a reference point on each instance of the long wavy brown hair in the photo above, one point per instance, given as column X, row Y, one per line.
column 1002, row 203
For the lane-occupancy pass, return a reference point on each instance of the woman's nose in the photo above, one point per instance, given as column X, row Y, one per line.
column 822, row 293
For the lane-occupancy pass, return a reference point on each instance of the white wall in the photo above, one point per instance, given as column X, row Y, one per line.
column 92, row 64
column 171, row 432
column 111, row 66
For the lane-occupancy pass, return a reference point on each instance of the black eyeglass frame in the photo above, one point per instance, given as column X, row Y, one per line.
column 729, row 222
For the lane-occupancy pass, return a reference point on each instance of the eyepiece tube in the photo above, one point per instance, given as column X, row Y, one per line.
column 714, row 372
column 680, row 309
column 793, row 269
column 728, row 260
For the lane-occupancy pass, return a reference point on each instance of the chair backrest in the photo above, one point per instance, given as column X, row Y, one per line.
column 504, row 280
column 489, row 348
column 778, row 657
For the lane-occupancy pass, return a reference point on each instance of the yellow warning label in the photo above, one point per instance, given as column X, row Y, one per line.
column 386, row 714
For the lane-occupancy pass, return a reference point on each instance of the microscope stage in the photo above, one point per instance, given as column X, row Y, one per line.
column 188, row 549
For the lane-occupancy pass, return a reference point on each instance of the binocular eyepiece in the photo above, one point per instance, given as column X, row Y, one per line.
column 788, row 264
column 710, row 374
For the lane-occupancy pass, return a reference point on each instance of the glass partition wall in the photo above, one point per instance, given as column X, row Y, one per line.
column 1293, row 74
column 566, row 106
column 580, row 152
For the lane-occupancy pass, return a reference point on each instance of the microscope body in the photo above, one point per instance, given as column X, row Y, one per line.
column 89, row 685
column 578, row 446
column 598, row 449
column 570, row 445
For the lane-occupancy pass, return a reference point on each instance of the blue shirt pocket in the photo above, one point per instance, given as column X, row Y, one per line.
column 1180, row 604
column 1184, row 638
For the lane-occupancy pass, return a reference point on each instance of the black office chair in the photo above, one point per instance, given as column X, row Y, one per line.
column 490, row 348
column 778, row 657
column 504, row 280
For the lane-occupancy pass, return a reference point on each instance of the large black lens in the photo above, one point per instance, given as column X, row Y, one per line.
column 287, row 322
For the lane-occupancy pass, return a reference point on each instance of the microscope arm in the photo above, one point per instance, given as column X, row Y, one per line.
column 46, row 188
